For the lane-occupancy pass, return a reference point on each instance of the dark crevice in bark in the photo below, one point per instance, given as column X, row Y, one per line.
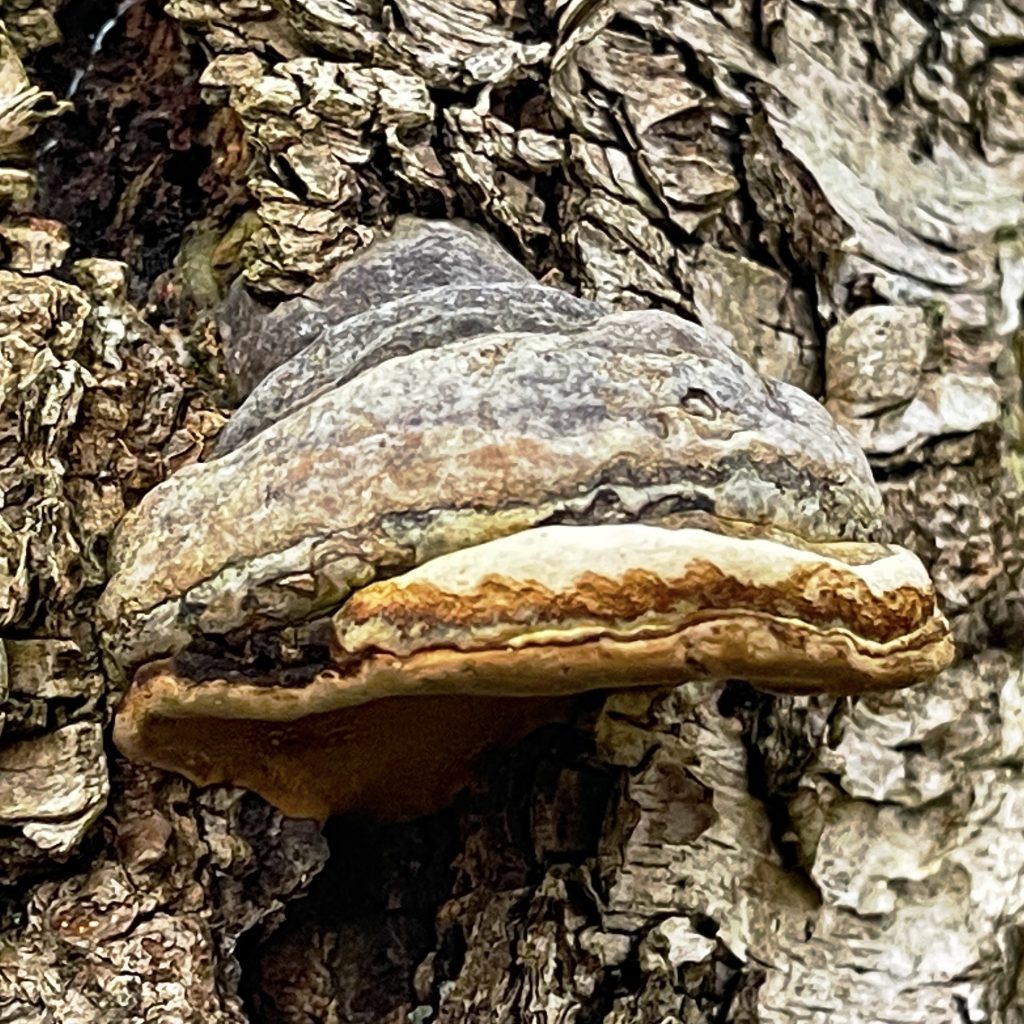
column 775, row 764
column 539, row 26
column 22, row 867
column 377, row 897
column 126, row 168
column 523, row 104
column 755, row 238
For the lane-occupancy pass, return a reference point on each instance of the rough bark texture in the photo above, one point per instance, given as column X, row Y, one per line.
column 836, row 189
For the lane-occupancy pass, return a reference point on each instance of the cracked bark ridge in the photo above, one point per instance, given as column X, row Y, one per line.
column 116, row 872
column 320, row 157
column 133, row 930
column 111, row 876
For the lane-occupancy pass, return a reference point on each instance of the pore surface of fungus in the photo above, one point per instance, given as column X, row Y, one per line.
column 478, row 505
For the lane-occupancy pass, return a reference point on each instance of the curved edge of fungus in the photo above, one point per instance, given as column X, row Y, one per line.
column 504, row 637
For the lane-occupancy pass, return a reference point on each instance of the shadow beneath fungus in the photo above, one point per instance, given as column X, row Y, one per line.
column 380, row 930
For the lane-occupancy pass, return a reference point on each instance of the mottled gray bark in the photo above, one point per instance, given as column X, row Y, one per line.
column 837, row 191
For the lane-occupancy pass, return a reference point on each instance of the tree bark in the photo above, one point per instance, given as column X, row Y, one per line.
column 838, row 191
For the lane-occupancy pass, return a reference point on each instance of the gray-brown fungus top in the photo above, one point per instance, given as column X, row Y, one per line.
column 418, row 255
column 465, row 501
column 639, row 417
column 423, row 319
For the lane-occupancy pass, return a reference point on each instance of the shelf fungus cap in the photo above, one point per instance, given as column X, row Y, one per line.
column 482, row 645
column 639, row 416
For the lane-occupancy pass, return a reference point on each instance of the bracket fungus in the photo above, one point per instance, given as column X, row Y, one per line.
column 429, row 535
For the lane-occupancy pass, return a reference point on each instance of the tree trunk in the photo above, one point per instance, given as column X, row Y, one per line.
column 836, row 190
